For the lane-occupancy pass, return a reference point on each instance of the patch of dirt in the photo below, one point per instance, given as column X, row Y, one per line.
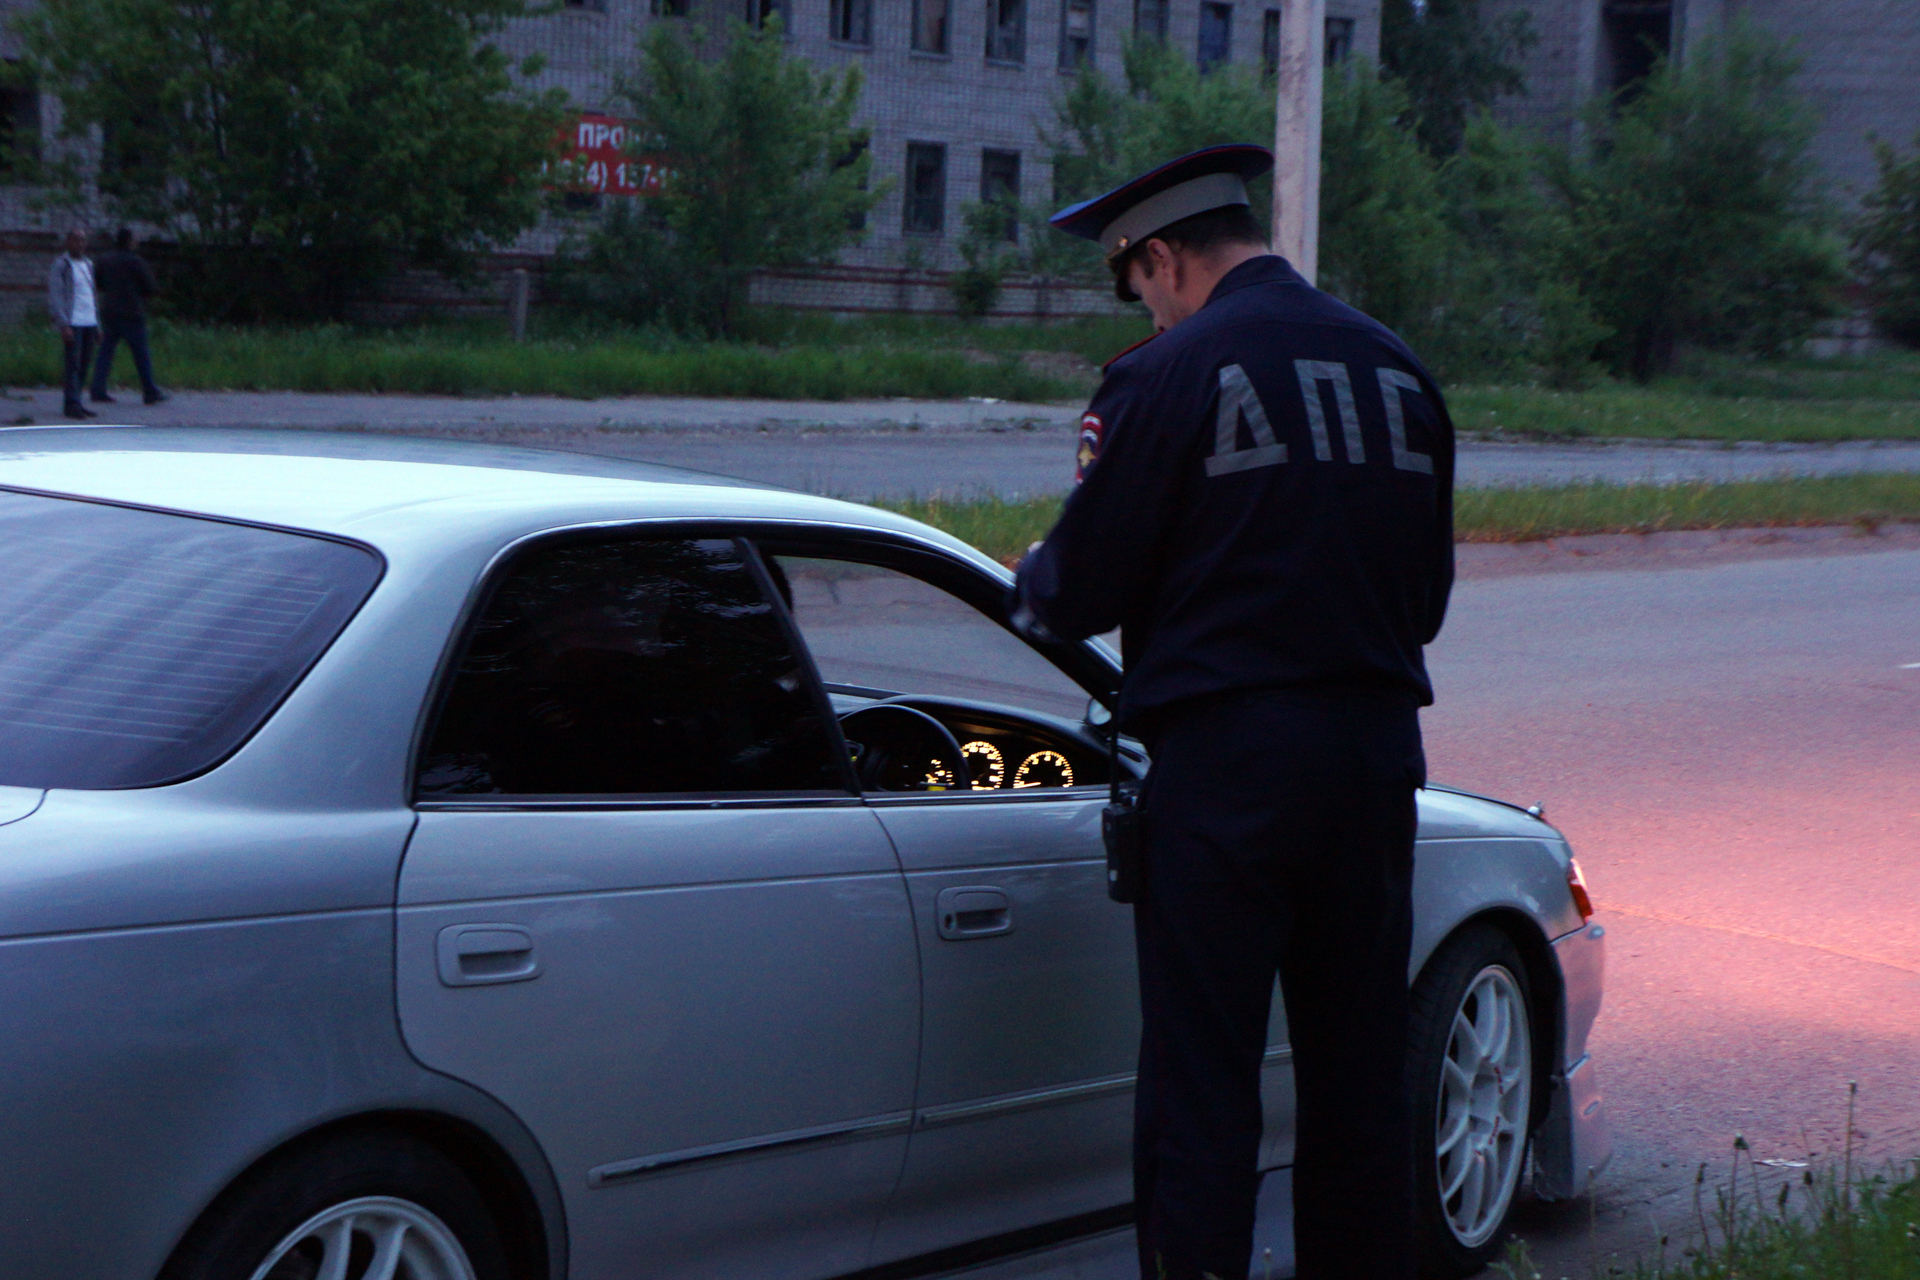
column 1677, row 549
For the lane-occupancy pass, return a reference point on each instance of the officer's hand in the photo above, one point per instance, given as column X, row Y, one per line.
column 66, row 332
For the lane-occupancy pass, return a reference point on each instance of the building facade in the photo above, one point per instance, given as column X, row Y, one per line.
column 958, row 96
column 1860, row 65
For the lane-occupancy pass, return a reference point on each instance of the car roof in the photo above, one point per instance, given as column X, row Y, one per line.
column 389, row 490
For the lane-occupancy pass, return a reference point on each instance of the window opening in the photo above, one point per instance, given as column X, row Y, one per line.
column 1076, row 34
column 1216, row 36
column 925, row 206
column 1150, row 19
column 1638, row 33
column 851, row 21
column 1000, row 186
column 1270, row 41
column 760, row 12
column 1339, row 45
column 1006, row 30
column 669, row 8
column 930, row 25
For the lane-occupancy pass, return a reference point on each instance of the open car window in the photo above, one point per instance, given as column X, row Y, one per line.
column 878, row 632
column 630, row 667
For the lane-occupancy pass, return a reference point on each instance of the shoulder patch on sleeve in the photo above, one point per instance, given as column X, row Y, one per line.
column 1091, row 430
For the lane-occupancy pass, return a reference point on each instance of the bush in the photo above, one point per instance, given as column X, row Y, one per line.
column 764, row 167
column 1887, row 243
column 297, row 150
column 1695, row 216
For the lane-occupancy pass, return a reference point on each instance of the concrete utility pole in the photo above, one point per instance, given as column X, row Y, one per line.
column 1296, row 136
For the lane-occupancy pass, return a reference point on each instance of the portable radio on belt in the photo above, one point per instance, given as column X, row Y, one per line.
column 1120, row 826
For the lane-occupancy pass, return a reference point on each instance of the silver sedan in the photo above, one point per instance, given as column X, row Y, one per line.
column 445, row 862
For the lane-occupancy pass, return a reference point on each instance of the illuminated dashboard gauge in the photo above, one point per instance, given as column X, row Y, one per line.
column 939, row 778
column 1044, row 769
column 986, row 764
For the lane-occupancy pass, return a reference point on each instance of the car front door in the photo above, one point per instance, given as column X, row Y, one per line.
column 1031, row 1023
column 645, row 909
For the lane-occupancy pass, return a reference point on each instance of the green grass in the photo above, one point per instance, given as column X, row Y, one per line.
column 1831, row 1226
column 814, row 356
column 1004, row 529
column 458, row 361
column 1673, row 411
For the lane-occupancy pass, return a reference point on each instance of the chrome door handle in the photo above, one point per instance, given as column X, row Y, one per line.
column 472, row 955
column 973, row 911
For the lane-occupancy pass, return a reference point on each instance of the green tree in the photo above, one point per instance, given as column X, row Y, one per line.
column 1452, row 62
column 1696, row 215
column 1886, row 242
column 296, row 149
column 765, row 166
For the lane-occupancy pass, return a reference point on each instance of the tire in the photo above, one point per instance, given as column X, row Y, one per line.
column 1471, row 1063
column 375, row 1193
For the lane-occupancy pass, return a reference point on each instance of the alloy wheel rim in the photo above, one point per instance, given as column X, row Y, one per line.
column 371, row 1238
column 1486, row 1088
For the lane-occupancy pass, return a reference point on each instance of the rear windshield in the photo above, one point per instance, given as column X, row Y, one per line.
column 138, row 648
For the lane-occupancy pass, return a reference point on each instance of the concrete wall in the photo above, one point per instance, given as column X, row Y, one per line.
column 1861, row 68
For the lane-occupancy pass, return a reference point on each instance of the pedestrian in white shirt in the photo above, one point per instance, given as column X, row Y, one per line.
column 70, row 297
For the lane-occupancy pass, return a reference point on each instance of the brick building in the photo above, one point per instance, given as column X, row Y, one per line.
column 1860, row 64
column 957, row 93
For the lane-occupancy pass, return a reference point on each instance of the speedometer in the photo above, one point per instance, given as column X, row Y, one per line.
column 1044, row 769
column 987, row 766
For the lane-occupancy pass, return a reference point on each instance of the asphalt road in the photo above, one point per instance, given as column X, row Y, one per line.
column 1732, row 751
column 893, row 448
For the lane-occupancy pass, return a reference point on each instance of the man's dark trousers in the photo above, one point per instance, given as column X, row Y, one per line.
column 76, row 356
column 1280, row 833
column 132, row 330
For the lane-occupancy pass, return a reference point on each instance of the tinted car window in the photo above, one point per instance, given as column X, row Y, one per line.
column 139, row 648
column 630, row 668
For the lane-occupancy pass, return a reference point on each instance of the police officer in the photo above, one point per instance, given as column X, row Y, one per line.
column 1265, row 511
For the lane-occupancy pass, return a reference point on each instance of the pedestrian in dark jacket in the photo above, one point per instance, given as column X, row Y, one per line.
column 124, row 282
column 71, row 299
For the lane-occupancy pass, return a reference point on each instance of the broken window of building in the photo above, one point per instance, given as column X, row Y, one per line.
column 1216, row 36
column 930, row 26
column 1150, row 19
column 1000, row 184
column 669, row 8
column 1006, row 30
column 851, row 21
column 758, row 11
column 1076, row 34
column 925, row 205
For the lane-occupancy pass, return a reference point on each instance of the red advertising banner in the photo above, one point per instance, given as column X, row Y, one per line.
column 596, row 147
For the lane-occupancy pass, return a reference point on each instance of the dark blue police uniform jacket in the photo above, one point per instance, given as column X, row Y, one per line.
column 1268, row 505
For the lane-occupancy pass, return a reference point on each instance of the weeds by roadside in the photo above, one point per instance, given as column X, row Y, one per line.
column 1835, row 1224
column 1004, row 528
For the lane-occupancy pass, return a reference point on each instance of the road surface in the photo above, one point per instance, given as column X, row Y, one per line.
column 895, row 448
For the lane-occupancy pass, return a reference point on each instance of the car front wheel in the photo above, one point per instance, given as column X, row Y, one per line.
column 1472, row 1080
column 370, row 1206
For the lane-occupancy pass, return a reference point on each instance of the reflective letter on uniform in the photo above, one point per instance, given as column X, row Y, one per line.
column 1312, row 373
column 1392, row 383
column 1238, row 400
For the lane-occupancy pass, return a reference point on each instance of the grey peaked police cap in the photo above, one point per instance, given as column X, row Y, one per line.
column 1210, row 178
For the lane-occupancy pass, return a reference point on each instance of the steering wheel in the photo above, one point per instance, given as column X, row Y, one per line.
column 898, row 748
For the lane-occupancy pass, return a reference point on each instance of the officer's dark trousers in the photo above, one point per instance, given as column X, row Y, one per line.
column 1279, row 839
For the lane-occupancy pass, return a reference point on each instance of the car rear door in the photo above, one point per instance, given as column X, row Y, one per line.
column 644, row 909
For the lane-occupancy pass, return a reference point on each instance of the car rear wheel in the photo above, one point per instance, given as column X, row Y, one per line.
column 369, row 1206
column 1472, row 1066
